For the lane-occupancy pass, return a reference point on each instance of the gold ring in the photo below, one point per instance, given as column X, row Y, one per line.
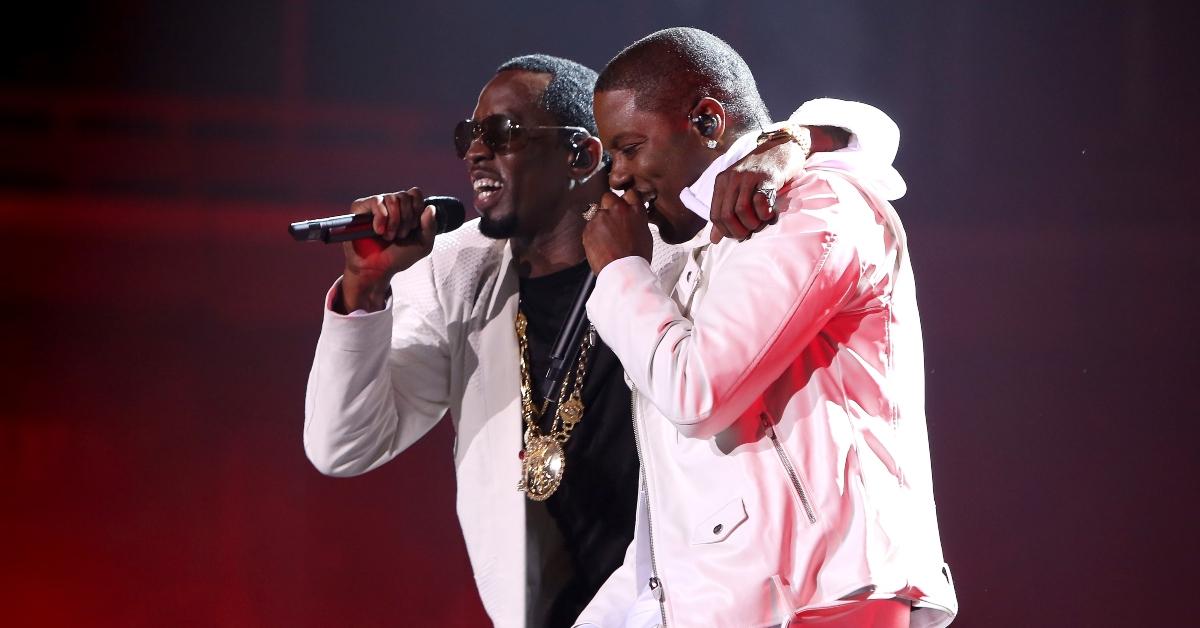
column 590, row 212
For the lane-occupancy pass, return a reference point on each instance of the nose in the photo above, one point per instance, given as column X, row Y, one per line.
column 619, row 177
column 477, row 151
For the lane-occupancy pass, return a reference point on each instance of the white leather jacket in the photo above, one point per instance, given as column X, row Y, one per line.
column 779, row 412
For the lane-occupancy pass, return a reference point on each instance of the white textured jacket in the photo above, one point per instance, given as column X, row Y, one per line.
column 380, row 381
column 779, row 413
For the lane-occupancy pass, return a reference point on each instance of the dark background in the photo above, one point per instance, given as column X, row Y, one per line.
column 159, row 324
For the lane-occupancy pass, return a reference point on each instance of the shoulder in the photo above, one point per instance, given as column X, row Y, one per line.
column 465, row 250
column 824, row 199
column 461, row 263
column 837, row 208
column 467, row 236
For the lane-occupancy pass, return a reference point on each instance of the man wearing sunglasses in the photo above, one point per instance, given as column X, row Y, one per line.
column 464, row 324
column 778, row 382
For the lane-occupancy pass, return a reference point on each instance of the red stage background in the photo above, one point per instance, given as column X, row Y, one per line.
column 159, row 323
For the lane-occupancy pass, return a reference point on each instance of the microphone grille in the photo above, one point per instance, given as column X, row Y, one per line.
column 450, row 212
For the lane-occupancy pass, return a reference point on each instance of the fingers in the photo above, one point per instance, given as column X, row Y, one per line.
column 396, row 215
column 377, row 207
column 763, row 208
column 634, row 199
column 744, row 212
column 412, row 206
column 404, row 227
column 722, row 205
column 739, row 208
column 589, row 232
column 593, row 241
column 716, row 234
column 357, row 250
column 735, row 204
column 610, row 201
column 428, row 225
column 736, row 212
column 393, row 214
column 618, row 230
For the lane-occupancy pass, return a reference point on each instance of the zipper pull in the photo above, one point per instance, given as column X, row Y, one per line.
column 766, row 423
column 656, row 588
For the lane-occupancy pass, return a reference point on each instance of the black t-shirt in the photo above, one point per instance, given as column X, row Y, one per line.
column 577, row 537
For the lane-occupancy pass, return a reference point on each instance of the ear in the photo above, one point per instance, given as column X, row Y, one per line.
column 587, row 159
column 708, row 119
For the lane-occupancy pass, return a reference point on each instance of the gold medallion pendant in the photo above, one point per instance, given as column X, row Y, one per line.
column 542, row 467
column 572, row 411
column 544, row 458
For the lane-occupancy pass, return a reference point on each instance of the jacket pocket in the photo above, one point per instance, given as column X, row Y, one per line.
column 792, row 472
column 718, row 526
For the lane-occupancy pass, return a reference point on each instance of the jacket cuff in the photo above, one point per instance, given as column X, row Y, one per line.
column 612, row 286
column 359, row 330
column 871, row 130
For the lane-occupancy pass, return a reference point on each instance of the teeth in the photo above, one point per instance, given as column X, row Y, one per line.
column 486, row 184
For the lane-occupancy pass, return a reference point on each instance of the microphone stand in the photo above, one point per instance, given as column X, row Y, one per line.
column 566, row 344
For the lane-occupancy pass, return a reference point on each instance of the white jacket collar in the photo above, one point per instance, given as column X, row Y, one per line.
column 874, row 141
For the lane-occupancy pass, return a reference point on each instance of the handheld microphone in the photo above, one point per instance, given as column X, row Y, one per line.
column 566, row 344
column 448, row 211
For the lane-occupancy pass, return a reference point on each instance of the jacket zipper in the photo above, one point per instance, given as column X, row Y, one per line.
column 791, row 471
column 655, row 584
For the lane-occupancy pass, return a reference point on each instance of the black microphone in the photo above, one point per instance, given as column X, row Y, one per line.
column 448, row 211
column 566, row 345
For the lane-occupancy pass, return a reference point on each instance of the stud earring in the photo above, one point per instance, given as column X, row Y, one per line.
column 711, row 143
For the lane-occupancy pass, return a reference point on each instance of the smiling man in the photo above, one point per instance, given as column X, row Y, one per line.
column 465, row 324
column 778, row 382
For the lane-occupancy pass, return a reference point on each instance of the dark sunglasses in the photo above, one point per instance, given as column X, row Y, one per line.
column 499, row 133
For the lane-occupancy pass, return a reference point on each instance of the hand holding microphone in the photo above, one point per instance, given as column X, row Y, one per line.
column 403, row 225
column 449, row 214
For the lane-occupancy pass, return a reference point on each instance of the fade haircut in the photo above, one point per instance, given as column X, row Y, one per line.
column 669, row 71
column 568, row 97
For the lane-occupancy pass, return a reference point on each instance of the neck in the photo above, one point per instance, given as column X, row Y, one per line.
column 687, row 224
column 555, row 248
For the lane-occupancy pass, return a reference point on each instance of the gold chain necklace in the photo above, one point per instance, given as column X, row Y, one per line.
column 544, row 459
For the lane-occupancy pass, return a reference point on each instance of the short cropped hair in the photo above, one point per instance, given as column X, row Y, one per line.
column 568, row 97
column 672, row 69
